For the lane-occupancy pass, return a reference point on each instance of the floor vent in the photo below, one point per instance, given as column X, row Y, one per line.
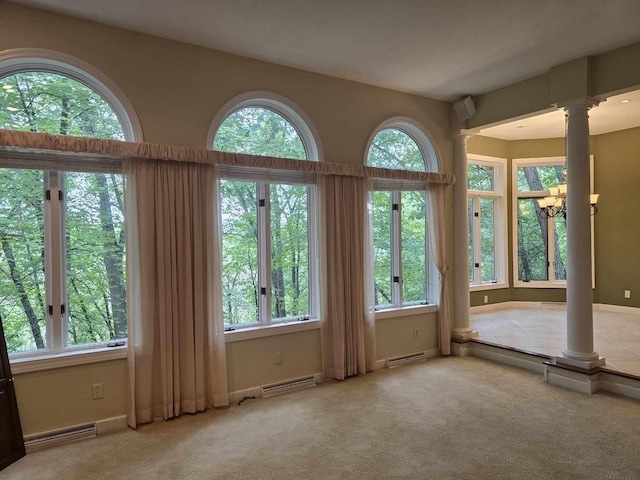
column 58, row 437
column 288, row 386
column 404, row 359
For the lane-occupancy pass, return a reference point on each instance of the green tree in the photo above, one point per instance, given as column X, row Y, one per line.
column 94, row 218
column 260, row 131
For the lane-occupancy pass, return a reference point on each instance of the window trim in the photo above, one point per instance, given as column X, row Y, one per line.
column 21, row 60
column 534, row 162
column 57, row 353
column 313, row 150
column 277, row 104
column 431, row 159
column 501, row 230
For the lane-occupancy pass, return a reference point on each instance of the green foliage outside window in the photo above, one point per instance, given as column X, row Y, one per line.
column 260, row 131
column 94, row 219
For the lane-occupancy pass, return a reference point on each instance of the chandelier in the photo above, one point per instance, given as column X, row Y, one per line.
column 555, row 205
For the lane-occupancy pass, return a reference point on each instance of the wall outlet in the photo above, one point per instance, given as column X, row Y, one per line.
column 416, row 333
column 97, row 391
column 627, row 294
column 277, row 358
column 486, row 299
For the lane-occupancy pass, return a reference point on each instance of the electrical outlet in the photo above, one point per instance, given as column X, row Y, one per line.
column 277, row 358
column 97, row 391
column 486, row 299
column 416, row 333
column 627, row 294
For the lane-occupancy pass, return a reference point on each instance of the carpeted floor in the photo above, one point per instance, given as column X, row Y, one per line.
column 448, row 418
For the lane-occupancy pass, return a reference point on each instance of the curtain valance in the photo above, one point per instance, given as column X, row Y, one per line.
column 114, row 148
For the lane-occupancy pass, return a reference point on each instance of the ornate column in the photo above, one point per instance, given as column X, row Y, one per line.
column 462, row 330
column 579, row 351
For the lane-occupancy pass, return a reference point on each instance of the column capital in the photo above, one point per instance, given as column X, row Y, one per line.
column 462, row 134
column 578, row 104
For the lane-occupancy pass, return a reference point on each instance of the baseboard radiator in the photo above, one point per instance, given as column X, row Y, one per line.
column 404, row 359
column 58, row 437
column 288, row 386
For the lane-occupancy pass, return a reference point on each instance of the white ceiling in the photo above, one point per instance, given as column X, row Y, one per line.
column 609, row 116
column 440, row 49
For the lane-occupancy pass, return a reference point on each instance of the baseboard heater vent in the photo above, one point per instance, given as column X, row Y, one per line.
column 288, row 386
column 404, row 359
column 58, row 437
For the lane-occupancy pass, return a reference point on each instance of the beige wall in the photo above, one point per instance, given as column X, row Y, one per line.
column 395, row 336
column 176, row 90
column 52, row 399
column 616, row 178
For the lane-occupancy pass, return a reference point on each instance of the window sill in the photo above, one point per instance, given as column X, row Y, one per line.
column 67, row 359
column 270, row 330
column 488, row 286
column 406, row 311
column 540, row 284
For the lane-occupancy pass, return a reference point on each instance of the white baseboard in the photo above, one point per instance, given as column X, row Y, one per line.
column 508, row 357
column 605, row 307
column 113, row 424
column 626, row 387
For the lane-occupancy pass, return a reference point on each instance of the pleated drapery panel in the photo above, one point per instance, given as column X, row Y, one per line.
column 346, row 322
column 177, row 358
column 437, row 242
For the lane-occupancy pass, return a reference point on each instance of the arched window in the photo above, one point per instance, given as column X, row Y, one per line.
column 401, row 262
column 63, row 233
column 267, row 218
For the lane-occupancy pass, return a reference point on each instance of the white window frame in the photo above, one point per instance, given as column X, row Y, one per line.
column 430, row 157
column 308, row 134
column 19, row 60
column 540, row 162
column 499, row 195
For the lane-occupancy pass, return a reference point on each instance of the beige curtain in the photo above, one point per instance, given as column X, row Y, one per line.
column 347, row 325
column 437, row 241
column 177, row 360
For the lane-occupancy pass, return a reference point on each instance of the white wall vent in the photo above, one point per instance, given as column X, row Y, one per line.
column 404, row 359
column 58, row 437
column 288, row 386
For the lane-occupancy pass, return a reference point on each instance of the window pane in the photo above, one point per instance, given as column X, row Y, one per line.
column 239, row 251
column 382, row 247
column 259, row 131
column 289, row 251
column 471, row 230
column 414, row 247
column 534, row 179
column 488, row 240
column 52, row 103
column 22, row 292
column 481, row 177
column 560, row 240
column 532, row 241
column 392, row 148
column 94, row 220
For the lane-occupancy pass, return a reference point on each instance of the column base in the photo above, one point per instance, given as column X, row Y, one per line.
column 573, row 378
column 464, row 335
column 585, row 364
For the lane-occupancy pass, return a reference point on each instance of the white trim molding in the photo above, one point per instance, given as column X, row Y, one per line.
column 42, row 60
column 67, row 359
column 418, row 134
column 278, row 104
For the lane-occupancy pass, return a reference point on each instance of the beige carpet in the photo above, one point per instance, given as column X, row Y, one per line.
column 448, row 418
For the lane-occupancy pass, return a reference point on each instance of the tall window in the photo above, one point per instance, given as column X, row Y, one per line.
column 540, row 243
column 62, row 281
column 267, row 224
column 399, row 224
column 487, row 221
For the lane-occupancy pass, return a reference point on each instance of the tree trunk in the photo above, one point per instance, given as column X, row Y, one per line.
column 22, row 293
column 113, row 255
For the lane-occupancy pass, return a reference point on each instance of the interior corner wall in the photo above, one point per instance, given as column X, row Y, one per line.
column 617, row 229
column 176, row 90
column 617, row 224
